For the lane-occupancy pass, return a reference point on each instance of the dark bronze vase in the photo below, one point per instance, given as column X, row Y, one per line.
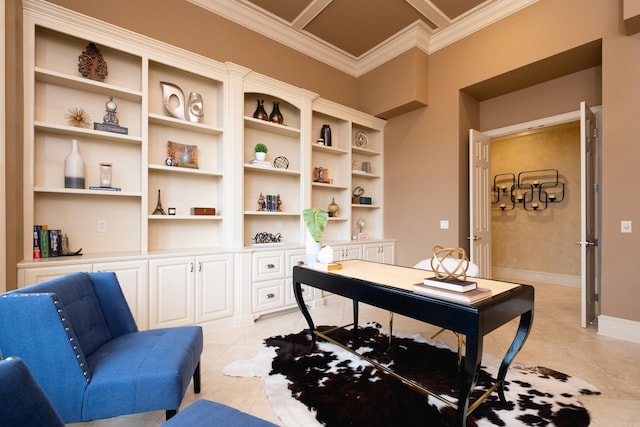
column 260, row 112
column 276, row 115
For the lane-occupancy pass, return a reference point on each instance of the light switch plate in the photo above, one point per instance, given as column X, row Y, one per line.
column 625, row 226
column 444, row 224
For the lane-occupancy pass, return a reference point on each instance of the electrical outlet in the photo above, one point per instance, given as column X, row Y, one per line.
column 625, row 226
column 102, row 226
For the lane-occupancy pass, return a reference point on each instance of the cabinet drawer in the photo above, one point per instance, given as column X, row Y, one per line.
column 268, row 265
column 295, row 258
column 307, row 293
column 268, row 295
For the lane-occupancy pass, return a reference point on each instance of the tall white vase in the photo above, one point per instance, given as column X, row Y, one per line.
column 313, row 248
column 74, row 168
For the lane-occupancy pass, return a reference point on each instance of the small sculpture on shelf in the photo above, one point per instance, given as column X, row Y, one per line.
column 91, row 63
column 195, row 108
column 78, row 117
column 265, row 238
column 333, row 208
column 172, row 100
column 158, row 210
column 110, row 120
column 261, row 203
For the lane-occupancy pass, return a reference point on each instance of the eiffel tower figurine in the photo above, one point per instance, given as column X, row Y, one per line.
column 158, row 210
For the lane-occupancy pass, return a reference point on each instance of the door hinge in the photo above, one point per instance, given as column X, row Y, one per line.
column 595, row 187
column 595, row 133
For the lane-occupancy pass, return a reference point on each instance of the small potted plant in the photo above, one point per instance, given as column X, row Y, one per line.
column 316, row 221
column 261, row 152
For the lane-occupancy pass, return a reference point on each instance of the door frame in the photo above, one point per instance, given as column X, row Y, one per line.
column 572, row 116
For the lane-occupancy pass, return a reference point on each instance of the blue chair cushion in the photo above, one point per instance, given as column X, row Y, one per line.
column 142, row 371
column 205, row 413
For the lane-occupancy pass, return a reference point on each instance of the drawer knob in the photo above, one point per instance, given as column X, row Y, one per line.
column 270, row 296
column 270, row 266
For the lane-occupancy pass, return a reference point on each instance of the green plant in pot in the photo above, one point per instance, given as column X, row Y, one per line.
column 261, row 151
column 316, row 221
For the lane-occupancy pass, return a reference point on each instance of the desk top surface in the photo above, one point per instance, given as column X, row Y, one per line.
column 405, row 277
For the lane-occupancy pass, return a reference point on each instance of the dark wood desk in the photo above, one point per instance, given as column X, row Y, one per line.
column 389, row 287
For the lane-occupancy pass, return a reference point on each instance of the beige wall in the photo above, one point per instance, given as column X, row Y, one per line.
column 540, row 241
column 426, row 149
column 425, row 155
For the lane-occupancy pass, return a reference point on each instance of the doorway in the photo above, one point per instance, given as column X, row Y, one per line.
column 535, row 240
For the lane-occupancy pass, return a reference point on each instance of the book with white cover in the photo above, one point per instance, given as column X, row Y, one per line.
column 451, row 284
column 469, row 297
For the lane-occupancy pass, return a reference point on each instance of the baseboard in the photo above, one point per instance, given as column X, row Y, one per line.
column 517, row 275
column 623, row 329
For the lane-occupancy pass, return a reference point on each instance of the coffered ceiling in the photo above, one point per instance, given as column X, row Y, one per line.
column 356, row 36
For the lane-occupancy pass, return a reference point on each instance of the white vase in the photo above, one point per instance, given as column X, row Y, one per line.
column 313, row 248
column 74, row 168
column 261, row 156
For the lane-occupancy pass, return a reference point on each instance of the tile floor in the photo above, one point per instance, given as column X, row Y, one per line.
column 557, row 341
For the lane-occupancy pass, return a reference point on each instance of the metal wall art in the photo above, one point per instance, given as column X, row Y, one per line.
column 534, row 190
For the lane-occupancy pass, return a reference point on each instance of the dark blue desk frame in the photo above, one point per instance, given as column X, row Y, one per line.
column 473, row 321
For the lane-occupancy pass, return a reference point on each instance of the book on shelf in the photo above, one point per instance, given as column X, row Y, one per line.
column 36, row 241
column 450, row 284
column 44, row 242
column 469, row 297
column 99, row 187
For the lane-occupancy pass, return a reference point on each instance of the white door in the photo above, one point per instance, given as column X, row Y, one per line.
column 480, row 201
column 588, row 242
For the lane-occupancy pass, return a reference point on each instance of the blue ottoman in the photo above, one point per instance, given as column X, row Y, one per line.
column 205, row 413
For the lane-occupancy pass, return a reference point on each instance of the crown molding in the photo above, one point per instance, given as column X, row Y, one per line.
column 475, row 21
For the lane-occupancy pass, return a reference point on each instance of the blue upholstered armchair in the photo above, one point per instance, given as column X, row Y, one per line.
column 24, row 404
column 81, row 343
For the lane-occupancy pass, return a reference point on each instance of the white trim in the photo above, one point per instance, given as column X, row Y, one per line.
column 615, row 327
column 416, row 35
column 468, row 24
column 517, row 275
column 571, row 116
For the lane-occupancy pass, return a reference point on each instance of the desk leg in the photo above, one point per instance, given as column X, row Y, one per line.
column 355, row 318
column 469, row 375
column 526, row 320
column 297, row 292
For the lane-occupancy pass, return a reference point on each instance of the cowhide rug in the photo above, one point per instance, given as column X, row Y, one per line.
column 332, row 387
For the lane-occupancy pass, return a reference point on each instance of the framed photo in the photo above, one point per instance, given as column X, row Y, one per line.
column 182, row 155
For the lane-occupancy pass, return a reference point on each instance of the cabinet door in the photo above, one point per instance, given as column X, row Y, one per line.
column 347, row 252
column 214, row 287
column 31, row 276
column 371, row 252
column 171, row 292
column 387, row 253
column 379, row 252
column 132, row 276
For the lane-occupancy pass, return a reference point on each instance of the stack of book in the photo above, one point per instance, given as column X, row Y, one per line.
column 466, row 292
column 46, row 243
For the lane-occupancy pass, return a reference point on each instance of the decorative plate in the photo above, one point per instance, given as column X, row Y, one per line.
column 281, row 162
column 360, row 139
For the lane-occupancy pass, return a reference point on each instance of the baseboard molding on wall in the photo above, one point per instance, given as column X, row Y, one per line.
column 516, row 275
column 623, row 329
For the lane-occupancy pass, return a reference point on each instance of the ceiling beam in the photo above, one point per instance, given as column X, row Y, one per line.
column 431, row 12
column 309, row 13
